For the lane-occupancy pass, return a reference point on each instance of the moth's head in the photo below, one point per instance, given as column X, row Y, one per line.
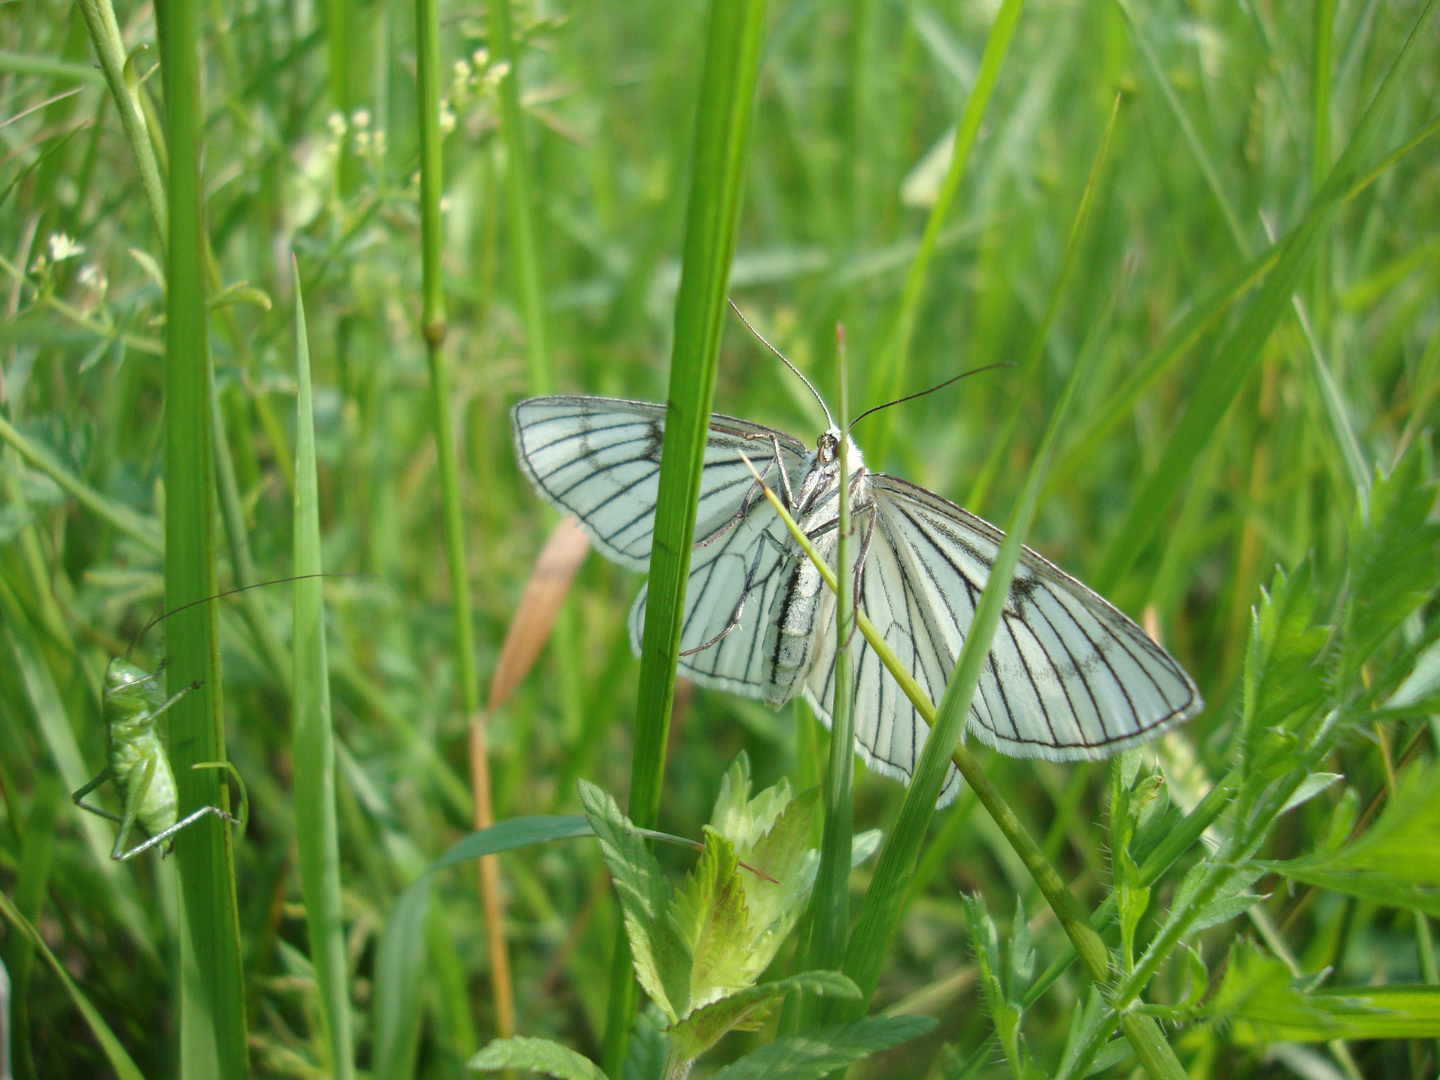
column 828, row 450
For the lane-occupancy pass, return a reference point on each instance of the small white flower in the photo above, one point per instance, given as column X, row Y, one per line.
column 336, row 123
column 361, row 119
column 480, row 58
column 447, row 118
column 496, row 75
column 62, row 247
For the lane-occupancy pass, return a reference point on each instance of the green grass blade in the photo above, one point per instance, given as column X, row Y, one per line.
column 885, row 899
column 734, row 33
column 399, row 967
column 1237, row 355
column 891, row 373
column 433, row 322
column 120, row 1061
column 316, row 828
column 1187, row 129
column 830, row 902
column 520, row 202
column 980, row 490
column 212, row 992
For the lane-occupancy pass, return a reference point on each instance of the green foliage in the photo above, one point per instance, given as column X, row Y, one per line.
column 1396, row 860
column 1265, row 1004
column 536, row 1055
column 1254, row 291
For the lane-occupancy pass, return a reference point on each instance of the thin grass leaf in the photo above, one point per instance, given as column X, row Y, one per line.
column 120, row 1061
column 520, row 201
column 885, row 899
column 399, row 972
column 734, row 36
column 317, row 830
column 892, row 371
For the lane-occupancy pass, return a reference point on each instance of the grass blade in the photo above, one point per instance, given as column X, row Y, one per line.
column 317, row 831
column 212, row 990
column 520, row 201
column 734, row 32
column 120, row 1061
column 892, row 372
column 830, row 902
column 1237, row 355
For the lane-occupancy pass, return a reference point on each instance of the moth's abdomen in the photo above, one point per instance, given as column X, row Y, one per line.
column 790, row 639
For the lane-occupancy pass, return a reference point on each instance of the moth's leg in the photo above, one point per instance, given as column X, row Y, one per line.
column 859, row 571
column 91, row 786
column 135, row 794
column 745, row 505
column 165, row 834
column 779, row 465
column 734, row 620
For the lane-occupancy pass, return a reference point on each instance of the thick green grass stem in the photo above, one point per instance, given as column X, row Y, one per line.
column 520, row 202
column 212, row 991
column 897, row 363
column 433, row 325
column 317, row 831
column 734, row 35
column 830, row 905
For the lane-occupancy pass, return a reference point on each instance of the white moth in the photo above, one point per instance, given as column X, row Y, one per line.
column 1068, row 676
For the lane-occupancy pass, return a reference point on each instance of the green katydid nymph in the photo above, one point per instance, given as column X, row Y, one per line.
column 136, row 760
column 132, row 703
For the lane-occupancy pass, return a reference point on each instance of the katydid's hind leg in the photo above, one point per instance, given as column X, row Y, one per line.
column 78, row 797
column 135, row 794
column 229, row 767
column 165, row 834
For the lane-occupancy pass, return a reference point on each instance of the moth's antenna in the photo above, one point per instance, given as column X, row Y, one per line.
column 922, row 393
column 777, row 352
column 220, row 595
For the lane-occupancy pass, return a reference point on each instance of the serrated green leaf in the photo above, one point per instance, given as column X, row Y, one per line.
column 783, row 852
column 1264, row 1004
column 818, row 1053
column 649, row 1046
column 662, row 962
column 1393, row 565
column 740, row 819
column 1397, row 860
column 710, row 918
column 536, row 1055
column 747, row 1009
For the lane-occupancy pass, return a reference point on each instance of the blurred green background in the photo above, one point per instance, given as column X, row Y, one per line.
column 1230, row 117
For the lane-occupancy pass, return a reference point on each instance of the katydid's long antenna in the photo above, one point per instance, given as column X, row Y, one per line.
column 777, row 352
column 922, row 393
column 220, row 595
